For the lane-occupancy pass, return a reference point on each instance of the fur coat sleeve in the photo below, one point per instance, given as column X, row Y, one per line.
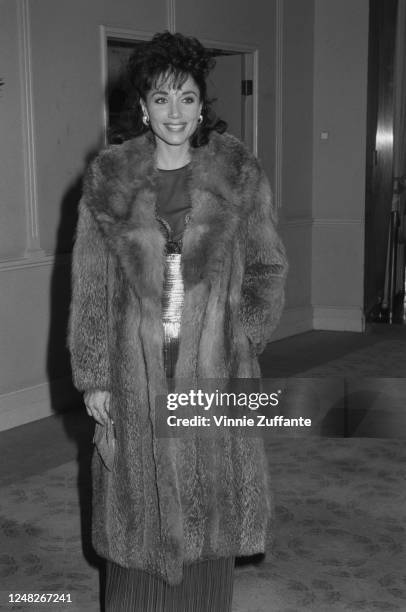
column 88, row 318
column 266, row 268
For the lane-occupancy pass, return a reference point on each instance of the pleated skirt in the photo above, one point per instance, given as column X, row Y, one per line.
column 207, row 586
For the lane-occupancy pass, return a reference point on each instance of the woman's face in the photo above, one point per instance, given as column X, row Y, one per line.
column 173, row 113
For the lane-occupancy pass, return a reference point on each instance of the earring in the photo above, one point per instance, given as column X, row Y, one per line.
column 200, row 119
column 145, row 119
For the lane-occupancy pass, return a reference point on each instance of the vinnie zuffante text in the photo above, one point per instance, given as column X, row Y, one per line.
column 217, row 401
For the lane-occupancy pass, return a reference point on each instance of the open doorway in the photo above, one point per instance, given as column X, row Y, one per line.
column 384, row 287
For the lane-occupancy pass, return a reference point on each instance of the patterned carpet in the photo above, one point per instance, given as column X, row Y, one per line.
column 338, row 543
column 339, row 533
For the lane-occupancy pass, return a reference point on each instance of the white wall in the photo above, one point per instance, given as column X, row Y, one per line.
column 324, row 90
column 340, row 99
column 296, row 192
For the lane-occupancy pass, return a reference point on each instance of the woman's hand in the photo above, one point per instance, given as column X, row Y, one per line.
column 98, row 405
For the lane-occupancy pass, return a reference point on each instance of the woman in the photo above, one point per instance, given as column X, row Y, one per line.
column 177, row 271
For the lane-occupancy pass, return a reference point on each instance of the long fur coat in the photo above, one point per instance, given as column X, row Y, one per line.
column 170, row 501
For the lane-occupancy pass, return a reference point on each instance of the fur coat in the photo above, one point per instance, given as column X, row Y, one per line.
column 170, row 501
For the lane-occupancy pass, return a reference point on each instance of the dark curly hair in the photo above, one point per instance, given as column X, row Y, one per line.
column 172, row 57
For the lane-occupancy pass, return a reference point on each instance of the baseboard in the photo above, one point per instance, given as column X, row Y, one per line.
column 296, row 320
column 339, row 318
column 33, row 403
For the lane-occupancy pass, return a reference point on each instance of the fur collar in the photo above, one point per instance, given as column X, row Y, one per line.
column 122, row 196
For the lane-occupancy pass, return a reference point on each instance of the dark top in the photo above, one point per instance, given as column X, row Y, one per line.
column 173, row 204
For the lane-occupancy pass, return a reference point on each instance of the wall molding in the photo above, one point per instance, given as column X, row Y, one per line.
column 227, row 45
column 33, row 244
column 319, row 222
column 279, row 24
column 30, row 262
column 326, row 222
column 295, row 222
column 338, row 318
column 37, row 402
column 125, row 33
column 171, row 15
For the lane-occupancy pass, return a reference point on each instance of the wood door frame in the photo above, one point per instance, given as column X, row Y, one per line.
column 250, row 58
column 120, row 34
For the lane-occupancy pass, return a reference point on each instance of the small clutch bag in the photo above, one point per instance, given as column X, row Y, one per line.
column 105, row 440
